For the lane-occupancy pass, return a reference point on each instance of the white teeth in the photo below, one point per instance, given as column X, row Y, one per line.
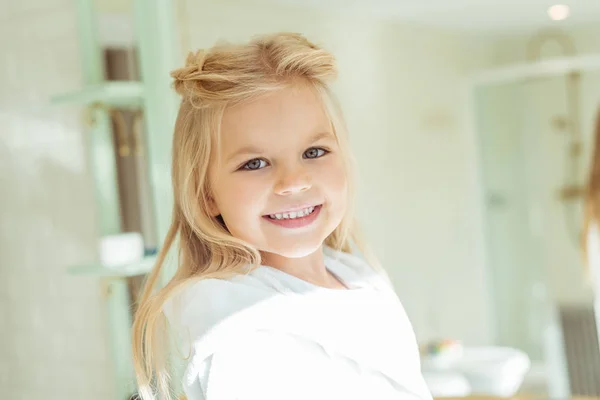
column 293, row 214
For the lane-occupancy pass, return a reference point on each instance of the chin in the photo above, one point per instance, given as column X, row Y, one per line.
column 296, row 250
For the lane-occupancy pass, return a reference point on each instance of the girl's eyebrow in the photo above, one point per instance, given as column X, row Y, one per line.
column 322, row 135
column 246, row 150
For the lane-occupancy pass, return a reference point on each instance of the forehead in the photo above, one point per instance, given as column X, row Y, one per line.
column 286, row 115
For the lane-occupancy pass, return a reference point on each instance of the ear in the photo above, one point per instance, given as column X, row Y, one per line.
column 213, row 209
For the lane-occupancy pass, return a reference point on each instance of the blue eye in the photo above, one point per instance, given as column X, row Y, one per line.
column 255, row 164
column 314, row 152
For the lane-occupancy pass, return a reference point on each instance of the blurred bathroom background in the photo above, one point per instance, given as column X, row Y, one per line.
column 472, row 123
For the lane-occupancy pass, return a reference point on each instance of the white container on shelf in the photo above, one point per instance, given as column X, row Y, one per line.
column 121, row 249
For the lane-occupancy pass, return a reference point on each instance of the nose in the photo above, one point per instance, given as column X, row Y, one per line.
column 293, row 181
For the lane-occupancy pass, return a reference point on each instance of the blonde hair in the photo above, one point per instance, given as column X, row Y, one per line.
column 592, row 191
column 210, row 82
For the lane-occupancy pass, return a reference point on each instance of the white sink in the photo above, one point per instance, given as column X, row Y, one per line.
column 447, row 384
column 495, row 371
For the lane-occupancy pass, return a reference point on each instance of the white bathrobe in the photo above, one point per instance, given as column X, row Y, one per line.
column 271, row 336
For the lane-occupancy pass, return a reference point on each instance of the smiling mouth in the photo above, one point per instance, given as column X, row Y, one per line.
column 295, row 219
column 305, row 212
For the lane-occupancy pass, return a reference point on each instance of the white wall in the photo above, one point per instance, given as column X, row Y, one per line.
column 402, row 91
column 52, row 329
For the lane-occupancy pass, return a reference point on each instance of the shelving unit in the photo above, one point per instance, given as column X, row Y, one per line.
column 158, row 54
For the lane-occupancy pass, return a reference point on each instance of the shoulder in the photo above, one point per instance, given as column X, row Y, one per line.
column 198, row 306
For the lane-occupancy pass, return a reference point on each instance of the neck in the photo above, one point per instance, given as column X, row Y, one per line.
column 310, row 268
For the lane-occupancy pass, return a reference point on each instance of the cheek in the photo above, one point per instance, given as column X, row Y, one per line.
column 334, row 178
column 240, row 196
column 333, row 183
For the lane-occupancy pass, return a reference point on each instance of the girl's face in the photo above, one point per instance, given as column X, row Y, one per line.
column 280, row 181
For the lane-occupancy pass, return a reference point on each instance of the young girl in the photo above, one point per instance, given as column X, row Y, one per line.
column 268, row 300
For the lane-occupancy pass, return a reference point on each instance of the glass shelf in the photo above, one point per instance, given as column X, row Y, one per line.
column 141, row 267
column 118, row 94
